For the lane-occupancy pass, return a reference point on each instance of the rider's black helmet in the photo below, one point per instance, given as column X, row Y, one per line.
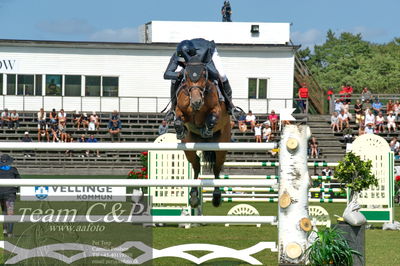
column 185, row 47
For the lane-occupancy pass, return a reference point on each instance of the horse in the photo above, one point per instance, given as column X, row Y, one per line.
column 202, row 117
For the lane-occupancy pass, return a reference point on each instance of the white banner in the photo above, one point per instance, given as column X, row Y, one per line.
column 73, row 193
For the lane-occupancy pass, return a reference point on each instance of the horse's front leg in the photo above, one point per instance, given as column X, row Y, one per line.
column 179, row 125
column 192, row 157
column 211, row 121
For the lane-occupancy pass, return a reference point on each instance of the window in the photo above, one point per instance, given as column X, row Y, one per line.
column 257, row 88
column 25, row 85
column 73, row 85
column 92, row 87
column 11, row 84
column 38, row 85
column 110, row 86
column 53, row 85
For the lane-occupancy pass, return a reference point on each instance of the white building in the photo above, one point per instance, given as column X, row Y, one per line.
column 257, row 57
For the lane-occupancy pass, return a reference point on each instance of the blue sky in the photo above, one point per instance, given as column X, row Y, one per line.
column 117, row 20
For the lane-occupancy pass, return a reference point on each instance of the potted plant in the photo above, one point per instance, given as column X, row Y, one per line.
column 330, row 248
column 356, row 175
column 140, row 174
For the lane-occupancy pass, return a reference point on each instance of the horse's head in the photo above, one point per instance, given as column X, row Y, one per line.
column 196, row 81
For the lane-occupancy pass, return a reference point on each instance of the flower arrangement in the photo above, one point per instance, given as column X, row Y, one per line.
column 142, row 173
column 397, row 189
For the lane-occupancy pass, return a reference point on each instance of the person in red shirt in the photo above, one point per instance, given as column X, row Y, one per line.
column 303, row 95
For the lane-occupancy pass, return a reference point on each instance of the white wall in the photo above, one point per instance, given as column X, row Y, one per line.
column 141, row 72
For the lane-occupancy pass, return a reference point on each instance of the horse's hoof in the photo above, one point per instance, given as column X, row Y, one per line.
column 206, row 133
column 194, row 200
column 181, row 135
column 217, row 198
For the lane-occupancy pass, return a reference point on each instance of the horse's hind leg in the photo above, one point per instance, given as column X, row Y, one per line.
column 194, row 192
column 219, row 162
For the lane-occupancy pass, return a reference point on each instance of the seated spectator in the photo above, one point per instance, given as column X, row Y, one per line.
column 389, row 107
column 53, row 116
column 267, row 133
column 349, row 91
column 348, row 135
column 85, row 121
column 242, row 123
column 62, row 116
column 327, row 171
column 92, row 139
column 43, row 133
column 396, row 108
column 54, row 132
column 273, row 119
column 366, row 95
column 338, row 106
column 5, row 118
column 335, row 122
column 346, row 107
column 94, row 121
column 114, row 126
column 26, row 138
column 62, row 129
column 251, row 120
column 82, row 139
column 380, row 123
column 163, row 128
column 313, row 147
column 369, row 129
column 14, row 120
column 69, row 139
column 77, row 119
column 394, row 146
column 358, row 109
column 343, row 119
column 257, row 133
column 391, row 122
column 376, row 106
column 369, row 118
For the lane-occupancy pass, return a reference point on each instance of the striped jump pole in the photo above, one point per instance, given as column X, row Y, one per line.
column 270, row 164
column 230, row 199
column 314, row 177
column 269, row 189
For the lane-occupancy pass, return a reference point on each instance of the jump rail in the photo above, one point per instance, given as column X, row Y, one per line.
column 136, row 146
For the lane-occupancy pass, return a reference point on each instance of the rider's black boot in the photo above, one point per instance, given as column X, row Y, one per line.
column 232, row 109
column 170, row 115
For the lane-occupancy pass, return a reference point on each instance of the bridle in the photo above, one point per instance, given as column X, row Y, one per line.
column 196, row 76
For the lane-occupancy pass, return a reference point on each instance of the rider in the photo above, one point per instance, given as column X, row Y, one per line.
column 207, row 50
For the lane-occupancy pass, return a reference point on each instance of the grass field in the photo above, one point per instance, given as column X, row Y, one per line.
column 381, row 246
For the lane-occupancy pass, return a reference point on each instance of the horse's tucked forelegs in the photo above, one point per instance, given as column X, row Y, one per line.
column 179, row 128
column 207, row 130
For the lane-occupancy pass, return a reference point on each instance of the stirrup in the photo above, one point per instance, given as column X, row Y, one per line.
column 236, row 112
column 169, row 116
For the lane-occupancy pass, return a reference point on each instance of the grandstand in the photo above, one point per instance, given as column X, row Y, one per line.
column 143, row 127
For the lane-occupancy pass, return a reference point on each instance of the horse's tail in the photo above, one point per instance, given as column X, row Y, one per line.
column 210, row 158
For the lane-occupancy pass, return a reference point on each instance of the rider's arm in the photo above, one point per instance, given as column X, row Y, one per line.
column 171, row 68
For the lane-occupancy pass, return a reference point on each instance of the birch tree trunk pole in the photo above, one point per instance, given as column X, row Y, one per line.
column 294, row 223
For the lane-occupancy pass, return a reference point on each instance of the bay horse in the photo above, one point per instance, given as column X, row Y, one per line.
column 201, row 116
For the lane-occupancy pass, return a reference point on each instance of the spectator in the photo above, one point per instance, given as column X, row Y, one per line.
column 53, row 116
column 8, row 194
column 62, row 126
column 62, row 116
column 389, row 107
column 303, row 96
column 358, row 109
column 394, row 146
column 349, row 92
column 391, row 122
column 380, row 123
column 343, row 118
column 342, row 93
column 54, row 132
column 250, row 120
column 26, row 138
column 257, row 132
column 273, row 119
column 361, row 130
column 369, row 118
column 94, row 121
column 92, row 139
column 77, row 119
column 42, row 125
column 14, row 120
column 396, row 108
column 163, row 128
column 267, row 133
column 82, row 139
column 376, row 106
column 85, row 121
column 338, row 106
column 313, row 146
column 69, row 139
column 366, row 95
column 346, row 107
column 348, row 135
column 329, row 93
column 327, row 171
column 242, row 123
column 114, row 126
column 43, row 133
column 369, row 129
column 5, row 118
column 335, row 122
